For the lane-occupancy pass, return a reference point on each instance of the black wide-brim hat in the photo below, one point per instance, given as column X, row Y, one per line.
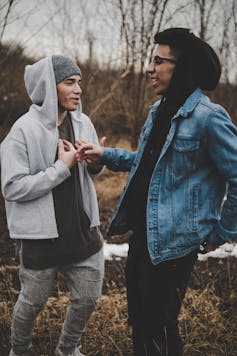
column 205, row 62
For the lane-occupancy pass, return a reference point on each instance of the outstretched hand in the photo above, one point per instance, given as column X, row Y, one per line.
column 89, row 151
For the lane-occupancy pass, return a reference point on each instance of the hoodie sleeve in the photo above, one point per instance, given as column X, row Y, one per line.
column 18, row 184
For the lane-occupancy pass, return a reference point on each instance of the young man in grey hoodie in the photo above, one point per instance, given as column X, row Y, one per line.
column 51, row 204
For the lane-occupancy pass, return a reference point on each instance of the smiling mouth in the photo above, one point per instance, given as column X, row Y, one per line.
column 155, row 82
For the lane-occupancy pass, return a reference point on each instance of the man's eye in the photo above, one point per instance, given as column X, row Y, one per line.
column 157, row 60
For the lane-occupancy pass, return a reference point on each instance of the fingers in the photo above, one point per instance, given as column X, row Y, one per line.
column 81, row 155
column 89, row 151
column 102, row 141
column 60, row 146
column 85, row 152
column 68, row 145
column 66, row 152
column 80, row 143
column 84, row 149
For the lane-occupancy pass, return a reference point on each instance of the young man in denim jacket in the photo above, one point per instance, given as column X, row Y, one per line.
column 185, row 164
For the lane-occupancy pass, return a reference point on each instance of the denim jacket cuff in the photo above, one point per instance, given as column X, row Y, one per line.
column 107, row 155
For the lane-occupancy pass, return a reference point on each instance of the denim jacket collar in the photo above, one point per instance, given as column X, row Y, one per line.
column 188, row 106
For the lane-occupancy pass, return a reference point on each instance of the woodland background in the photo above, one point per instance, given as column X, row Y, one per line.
column 117, row 96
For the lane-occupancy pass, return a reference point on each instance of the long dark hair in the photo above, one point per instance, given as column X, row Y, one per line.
column 197, row 64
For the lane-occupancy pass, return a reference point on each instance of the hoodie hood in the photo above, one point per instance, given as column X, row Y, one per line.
column 41, row 87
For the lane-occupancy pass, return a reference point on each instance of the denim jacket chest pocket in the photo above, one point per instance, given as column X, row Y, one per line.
column 184, row 155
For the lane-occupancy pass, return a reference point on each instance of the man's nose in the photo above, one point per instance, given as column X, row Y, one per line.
column 150, row 68
column 77, row 88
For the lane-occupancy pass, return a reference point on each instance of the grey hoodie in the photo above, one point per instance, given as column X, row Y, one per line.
column 28, row 168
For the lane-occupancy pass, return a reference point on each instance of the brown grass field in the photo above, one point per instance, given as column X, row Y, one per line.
column 207, row 322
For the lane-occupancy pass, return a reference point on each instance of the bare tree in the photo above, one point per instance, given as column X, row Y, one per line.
column 217, row 25
column 140, row 20
column 225, row 42
column 6, row 7
column 231, row 32
column 205, row 8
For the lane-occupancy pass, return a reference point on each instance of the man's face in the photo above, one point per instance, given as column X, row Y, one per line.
column 69, row 92
column 161, row 69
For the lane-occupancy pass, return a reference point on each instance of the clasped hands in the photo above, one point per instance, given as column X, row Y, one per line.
column 82, row 150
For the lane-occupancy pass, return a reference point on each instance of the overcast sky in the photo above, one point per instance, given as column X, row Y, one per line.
column 64, row 26
column 45, row 27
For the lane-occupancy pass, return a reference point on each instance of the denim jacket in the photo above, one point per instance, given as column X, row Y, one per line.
column 197, row 167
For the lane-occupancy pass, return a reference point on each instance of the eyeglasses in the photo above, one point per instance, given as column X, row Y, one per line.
column 159, row 60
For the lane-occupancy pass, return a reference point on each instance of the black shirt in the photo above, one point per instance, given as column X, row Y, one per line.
column 138, row 193
column 76, row 240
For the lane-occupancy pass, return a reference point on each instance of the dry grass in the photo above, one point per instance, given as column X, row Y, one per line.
column 203, row 324
column 207, row 321
column 109, row 187
column 106, row 329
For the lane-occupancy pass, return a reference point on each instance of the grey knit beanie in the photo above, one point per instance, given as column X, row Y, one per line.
column 64, row 67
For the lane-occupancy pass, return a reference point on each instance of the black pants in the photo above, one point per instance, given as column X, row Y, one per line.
column 155, row 295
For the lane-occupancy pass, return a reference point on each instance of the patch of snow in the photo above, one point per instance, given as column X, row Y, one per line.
column 115, row 250
column 118, row 251
column 223, row 251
